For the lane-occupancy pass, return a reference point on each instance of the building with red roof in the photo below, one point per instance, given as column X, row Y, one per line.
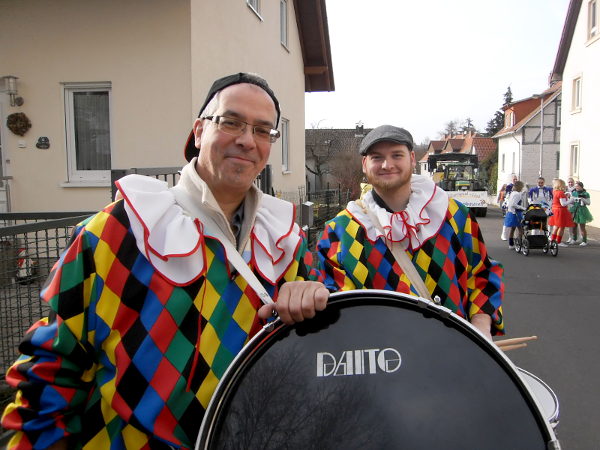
column 520, row 148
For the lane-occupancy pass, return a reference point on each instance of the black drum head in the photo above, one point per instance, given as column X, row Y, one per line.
column 373, row 371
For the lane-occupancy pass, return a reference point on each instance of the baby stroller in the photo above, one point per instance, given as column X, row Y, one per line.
column 535, row 232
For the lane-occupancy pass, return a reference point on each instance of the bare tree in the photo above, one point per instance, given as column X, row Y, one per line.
column 346, row 167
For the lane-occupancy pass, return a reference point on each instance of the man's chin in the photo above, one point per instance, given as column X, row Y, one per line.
column 387, row 186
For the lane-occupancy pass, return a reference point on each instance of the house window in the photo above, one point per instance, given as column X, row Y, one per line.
column 558, row 113
column 503, row 161
column 285, row 145
column 592, row 19
column 576, row 100
column 509, row 119
column 283, row 22
column 87, row 120
column 557, row 161
column 513, row 163
column 574, row 159
column 255, row 5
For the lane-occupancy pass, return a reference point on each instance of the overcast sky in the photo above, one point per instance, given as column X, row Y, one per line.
column 419, row 64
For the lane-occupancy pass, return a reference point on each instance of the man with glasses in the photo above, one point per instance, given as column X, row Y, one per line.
column 148, row 306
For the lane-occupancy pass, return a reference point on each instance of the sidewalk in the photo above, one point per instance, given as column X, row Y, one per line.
column 593, row 233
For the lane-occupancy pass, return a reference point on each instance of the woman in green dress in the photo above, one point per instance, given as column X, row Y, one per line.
column 579, row 208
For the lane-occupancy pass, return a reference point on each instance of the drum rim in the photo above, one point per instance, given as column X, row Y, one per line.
column 271, row 330
column 554, row 419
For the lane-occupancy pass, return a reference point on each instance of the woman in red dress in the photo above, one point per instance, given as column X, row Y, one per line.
column 561, row 217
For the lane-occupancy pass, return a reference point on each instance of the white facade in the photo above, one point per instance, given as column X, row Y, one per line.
column 509, row 158
column 581, row 123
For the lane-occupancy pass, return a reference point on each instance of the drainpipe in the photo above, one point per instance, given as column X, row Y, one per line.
column 519, row 155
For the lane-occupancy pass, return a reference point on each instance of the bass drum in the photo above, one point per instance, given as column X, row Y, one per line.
column 376, row 369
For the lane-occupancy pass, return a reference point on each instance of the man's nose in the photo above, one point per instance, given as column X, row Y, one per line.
column 385, row 164
column 246, row 139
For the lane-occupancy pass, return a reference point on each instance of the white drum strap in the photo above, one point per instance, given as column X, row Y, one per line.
column 402, row 259
column 211, row 228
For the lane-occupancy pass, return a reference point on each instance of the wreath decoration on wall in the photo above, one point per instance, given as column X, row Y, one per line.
column 18, row 123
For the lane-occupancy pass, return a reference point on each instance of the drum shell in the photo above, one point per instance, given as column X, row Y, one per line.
column 450, row 387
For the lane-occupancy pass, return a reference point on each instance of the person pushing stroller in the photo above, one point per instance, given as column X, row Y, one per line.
column 514, row 213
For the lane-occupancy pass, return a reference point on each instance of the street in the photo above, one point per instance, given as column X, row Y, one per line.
column 557, row 299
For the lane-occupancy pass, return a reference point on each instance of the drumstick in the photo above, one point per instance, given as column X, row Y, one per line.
column 512, row 341
column 506, row 348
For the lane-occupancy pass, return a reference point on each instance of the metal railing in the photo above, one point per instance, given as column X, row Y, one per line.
column 171, row 175
column 168, row 174
column 5, row 205
column 30, row 244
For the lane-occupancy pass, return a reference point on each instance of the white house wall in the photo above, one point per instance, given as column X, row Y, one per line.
column 141, row 48
column 583, row 127
column 219, row 48
column 160, row 57
column 509, row 152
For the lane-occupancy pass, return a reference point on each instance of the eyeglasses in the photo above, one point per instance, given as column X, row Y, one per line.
column 236, row 127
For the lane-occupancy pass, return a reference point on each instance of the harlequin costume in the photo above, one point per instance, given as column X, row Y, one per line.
column 439, row 235
column 146, row 316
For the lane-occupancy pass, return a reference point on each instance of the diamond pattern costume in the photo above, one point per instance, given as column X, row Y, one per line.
column 439, row 235
column 146, row 317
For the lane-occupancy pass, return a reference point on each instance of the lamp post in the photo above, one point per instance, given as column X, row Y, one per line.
column 541, row 97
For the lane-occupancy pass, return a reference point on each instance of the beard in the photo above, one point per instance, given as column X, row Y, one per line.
column 389, row 184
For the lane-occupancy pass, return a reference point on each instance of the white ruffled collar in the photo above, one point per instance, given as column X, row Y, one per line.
column 174, row 242
column 420, row 221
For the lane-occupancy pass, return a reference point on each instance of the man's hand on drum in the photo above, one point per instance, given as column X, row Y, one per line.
column 297, row 300
column 483, row 323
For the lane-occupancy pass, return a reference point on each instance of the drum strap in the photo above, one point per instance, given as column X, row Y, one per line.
column 211, row 228
column 400, row 255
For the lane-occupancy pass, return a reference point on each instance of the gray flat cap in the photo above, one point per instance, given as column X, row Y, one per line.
column 386, row 133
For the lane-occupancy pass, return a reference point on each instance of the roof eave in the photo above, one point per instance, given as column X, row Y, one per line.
column 565, row 40
column 313, row 30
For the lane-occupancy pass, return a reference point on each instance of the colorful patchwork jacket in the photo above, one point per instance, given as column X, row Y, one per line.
column 146, row 316
column 439, row 235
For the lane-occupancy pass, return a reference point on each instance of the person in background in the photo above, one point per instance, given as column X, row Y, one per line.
column 540, row 194
column 561, row 217
column 569, row 192
column 580, row 200
column 501, row 199
column 504, row 206
column 514, row 213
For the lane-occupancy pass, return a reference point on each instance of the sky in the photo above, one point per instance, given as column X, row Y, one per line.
column 419, row 64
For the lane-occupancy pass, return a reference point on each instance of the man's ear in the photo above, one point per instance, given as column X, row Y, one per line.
column 198, row 128
column 364, row 160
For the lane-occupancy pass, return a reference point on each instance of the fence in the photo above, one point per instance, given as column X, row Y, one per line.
column 171, row 175
column 30, row 243
column 325, row 204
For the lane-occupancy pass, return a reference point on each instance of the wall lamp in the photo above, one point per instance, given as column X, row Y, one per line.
column 10, row 87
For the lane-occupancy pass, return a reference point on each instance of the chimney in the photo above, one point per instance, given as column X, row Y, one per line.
column 360, row 129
